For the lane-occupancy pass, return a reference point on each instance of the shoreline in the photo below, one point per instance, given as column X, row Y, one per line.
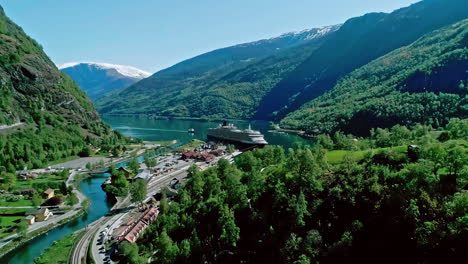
column 274, row 129
column 83, row 202
column 188, row 118
column 14, row 244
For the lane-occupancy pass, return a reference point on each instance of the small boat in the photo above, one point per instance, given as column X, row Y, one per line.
column 191, row 130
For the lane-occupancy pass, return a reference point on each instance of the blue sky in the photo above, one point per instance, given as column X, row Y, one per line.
column 155, row 34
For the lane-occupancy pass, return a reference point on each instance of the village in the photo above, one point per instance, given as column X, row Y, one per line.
column 166, row 177
column 40, row 199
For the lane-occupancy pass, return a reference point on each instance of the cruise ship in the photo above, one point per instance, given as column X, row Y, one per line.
column 230, row 134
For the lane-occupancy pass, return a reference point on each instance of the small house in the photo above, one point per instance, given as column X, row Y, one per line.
column 205, row 157
column 49, row 193
column 30, row 219
column 142, row 175
column 40, row 214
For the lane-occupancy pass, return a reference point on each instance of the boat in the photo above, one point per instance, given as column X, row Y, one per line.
column 229, row 133
column 191, row 130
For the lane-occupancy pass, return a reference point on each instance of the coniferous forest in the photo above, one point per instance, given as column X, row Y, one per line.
column 398, row 196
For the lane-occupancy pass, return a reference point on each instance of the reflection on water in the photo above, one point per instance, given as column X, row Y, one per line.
column 163, row 130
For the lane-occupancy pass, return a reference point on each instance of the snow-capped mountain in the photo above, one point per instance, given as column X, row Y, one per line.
column 210, row 83
column 296, row 38
column 98, row 79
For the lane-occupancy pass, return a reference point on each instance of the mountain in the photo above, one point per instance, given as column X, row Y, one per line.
column 268, row 79
column 98, row 79
column 359, row 41
column 195, row 87
column 425, row 82
column 44, row 115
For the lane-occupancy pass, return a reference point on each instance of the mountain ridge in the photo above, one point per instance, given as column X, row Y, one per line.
column 424, row 82
column 195, row 74
column 125, row 70
column 359, row 41
column 99, row 79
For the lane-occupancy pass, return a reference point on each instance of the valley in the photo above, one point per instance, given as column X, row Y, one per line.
column 343, row 143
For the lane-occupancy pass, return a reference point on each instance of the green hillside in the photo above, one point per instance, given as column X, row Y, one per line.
column 359, row 41
column 425, row 82
column 44, row 116
column 268, row 79
column 228, row 82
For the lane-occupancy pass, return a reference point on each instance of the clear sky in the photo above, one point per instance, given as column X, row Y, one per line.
column 154, row 34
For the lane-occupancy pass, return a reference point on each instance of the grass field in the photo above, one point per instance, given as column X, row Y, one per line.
column 337, row 156
column 59, row 252
column 19, row 203
column 8, row 221
column 14, row 210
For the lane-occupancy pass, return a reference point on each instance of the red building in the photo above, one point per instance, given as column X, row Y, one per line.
column 133, row 229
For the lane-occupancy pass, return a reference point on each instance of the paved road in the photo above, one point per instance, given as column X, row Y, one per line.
column 81, row 249
column 155, row 184
column 54, row 219
column 98, row 249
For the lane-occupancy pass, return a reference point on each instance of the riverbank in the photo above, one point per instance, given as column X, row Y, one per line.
column 90, row 187
column 20, row 241
column 45, row 226
column 56, row 253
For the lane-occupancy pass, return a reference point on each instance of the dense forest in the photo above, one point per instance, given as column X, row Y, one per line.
column 52, row 118
column 399, row 196
column 424, row 82
column 358, row 42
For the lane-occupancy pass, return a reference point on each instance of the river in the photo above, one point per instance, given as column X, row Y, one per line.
column 100, row 205
column 146, row 129
column 163, row 130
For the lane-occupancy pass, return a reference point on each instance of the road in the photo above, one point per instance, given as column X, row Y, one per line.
column 80, row 251
column 155, row 184
column 56, row 218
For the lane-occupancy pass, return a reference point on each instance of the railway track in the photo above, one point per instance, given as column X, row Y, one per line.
column 80, row 251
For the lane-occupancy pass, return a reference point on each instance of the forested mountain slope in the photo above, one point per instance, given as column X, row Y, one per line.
column 425, row 82
column 209, row 86
column 99, row 79
column 54, row 119
column 359, row 41
column 382, row 203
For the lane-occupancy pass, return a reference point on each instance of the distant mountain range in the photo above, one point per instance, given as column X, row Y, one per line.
column 271, row 79
column 98, row 79
column 186, row 89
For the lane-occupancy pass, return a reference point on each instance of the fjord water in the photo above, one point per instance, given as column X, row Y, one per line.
column 176, row 129
column 91, row 188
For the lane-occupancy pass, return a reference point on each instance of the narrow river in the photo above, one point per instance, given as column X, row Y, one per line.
column 91, row 188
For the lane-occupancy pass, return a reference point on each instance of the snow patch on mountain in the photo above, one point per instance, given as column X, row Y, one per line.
column 309, row 34
column 128, row 71
column 320, row 32
column 303, row 35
